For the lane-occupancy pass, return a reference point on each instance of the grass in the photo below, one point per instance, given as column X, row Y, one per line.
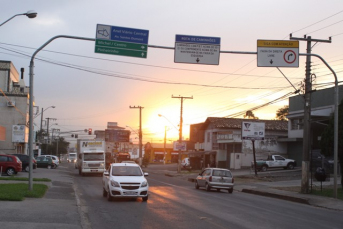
column 24, row 179
column 328, row 192
column 17, row 192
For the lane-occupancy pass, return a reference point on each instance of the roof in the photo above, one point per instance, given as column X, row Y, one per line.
column 236, row 123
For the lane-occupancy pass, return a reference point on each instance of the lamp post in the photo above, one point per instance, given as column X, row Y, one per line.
column 29, row 14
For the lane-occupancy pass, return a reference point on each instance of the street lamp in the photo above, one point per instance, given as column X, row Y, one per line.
column 41, row 116
column 29, row 14
column 168, row 121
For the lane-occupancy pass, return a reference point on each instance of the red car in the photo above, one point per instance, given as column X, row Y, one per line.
column 10, row 164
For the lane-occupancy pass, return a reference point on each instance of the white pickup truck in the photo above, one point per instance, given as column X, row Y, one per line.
column 274, row 161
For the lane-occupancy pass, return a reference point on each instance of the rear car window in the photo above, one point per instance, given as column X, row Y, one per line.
column 222, row 173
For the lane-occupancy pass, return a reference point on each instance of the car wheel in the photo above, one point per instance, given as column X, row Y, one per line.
column 54, row 166
column 207, row 187
column 196, row 185
column 109, row 197
column 290, row 166
column 49, row 166
column 27, row 168
column 264, row 168
column 104, row 193
column 145, row 198
column 230, row 190
column 10, row 171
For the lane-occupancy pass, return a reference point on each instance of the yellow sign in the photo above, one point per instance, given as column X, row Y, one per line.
column 278, row 44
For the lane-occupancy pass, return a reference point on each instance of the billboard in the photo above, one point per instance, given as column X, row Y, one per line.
column 253, row 130
column 117, row 135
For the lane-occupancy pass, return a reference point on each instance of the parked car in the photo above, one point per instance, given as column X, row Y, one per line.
column 274, row 161
column 45, row 162
column 125, row 180
column 54, row 158
column 25, row 160
column 215, row 178
column 10, row 164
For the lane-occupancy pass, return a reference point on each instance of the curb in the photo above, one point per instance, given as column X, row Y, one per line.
column 277, row 196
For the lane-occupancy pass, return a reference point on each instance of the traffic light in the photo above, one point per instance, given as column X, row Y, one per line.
column 90, row 131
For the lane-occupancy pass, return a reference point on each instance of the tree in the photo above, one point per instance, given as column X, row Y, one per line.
column 282, row 112
column 250, row 115
column 327, row 139
column 52, row 148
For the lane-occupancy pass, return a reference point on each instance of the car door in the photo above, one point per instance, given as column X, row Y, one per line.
column 280, row 161
column 202, row 179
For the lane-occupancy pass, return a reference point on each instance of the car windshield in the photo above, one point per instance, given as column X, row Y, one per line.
column 126, row 171
column 93, row 156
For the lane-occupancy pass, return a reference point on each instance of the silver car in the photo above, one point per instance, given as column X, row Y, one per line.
column 215, row 178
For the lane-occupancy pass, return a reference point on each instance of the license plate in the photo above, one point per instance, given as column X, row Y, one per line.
column 130, row 193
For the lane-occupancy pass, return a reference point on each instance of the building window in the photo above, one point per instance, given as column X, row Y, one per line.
column 297, row 124
column 208, row 137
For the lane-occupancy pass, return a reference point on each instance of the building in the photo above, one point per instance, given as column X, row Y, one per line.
column 14, row 109
column 220, row 140
column 322, row 107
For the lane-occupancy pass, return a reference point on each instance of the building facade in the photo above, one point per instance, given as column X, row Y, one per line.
column 14, row 109
column 223, row 136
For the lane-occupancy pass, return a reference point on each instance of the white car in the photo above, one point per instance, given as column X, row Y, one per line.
column 124, row 180
column 54, row 159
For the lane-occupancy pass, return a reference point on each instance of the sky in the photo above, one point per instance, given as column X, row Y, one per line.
column 89, row 89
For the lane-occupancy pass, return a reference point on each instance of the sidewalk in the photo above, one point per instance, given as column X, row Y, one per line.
column 269, row 188
column 57, row 209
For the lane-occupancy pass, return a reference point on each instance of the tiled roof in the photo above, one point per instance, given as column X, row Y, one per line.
column 235, row 123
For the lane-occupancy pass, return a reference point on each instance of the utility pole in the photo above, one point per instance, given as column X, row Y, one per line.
column 140, row 132
column 180, row 130
column 307, row 140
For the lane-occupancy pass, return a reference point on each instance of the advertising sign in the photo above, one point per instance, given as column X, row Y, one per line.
column 117, row 135
column 253, row 130
column 178, row 146
column 19, row 133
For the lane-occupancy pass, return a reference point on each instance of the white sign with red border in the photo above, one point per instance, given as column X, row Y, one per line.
column 253, row 130
column 277, row 53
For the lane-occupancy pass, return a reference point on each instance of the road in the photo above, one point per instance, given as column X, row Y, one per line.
column 175, row 203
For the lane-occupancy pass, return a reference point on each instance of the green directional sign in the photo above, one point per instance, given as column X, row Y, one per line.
column 121, row 41
column 121, row 52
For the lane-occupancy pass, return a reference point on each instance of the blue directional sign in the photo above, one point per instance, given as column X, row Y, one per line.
column 121, row 41
column 197, row 49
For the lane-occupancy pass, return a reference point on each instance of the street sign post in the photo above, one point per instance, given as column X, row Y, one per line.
column 121, row 41
column 277, row 53
column 197, row 50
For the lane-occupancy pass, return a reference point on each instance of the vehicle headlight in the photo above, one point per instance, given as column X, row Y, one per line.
column 114, row 183
column 144, row 184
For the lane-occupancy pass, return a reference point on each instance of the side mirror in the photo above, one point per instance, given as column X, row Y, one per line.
column 106, row 173
column 146, row 174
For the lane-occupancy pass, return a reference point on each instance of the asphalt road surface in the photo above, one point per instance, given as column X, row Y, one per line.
column 175, row 203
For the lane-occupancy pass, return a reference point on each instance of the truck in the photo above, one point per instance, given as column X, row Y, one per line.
column 71, row 157
column 274, row 161
column 90, row 156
